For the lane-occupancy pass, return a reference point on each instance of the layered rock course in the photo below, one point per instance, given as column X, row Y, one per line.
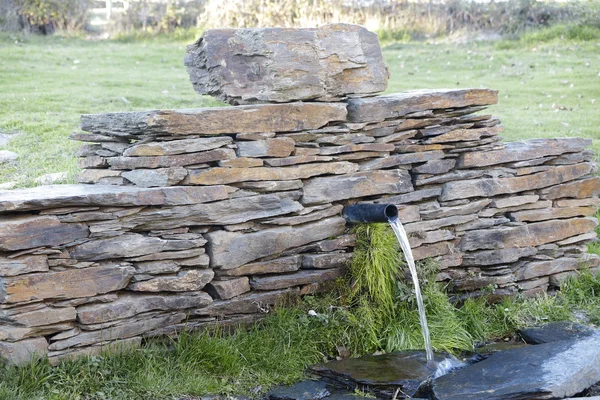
column 209, row 217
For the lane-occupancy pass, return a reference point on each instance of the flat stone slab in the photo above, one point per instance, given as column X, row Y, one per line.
column 66, row 284
column 291, row 117
column 228, row 250
column 380, row 108
column 383, row 374
column 489, row 187
column 329, row 63
column 522, row 151
column 555, row 331
column 580, row 189
column 360, row 184
column 56, row 196
column 20, row 353
column 18, row 232
column 129, row 305
column 547, row 371
column 534, row 234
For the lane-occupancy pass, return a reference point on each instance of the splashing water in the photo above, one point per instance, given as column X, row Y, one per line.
column 448, row 364
column 403, row 240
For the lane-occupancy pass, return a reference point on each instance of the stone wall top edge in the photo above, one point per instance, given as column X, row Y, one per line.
column 221, row 109
column 70, row 195
column 302, row 115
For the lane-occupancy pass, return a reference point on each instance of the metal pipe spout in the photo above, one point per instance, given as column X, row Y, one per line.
column 367, row 213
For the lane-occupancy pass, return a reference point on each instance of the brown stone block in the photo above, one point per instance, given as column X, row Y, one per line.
column 56, row 196
column 402, row 159
column 180, row 160
column 123, row 330
column 277, row 147
column 250, row 303
column 275, row 266
column 417, row 239
column 185, row 281
column 360, row 184
column 526, row 235
column 229, row 250
column 522, row 151
column 130, row 305
column 552, row 213
column 546, row 268
column 251, row 65
column 579, row 189
column 23, row 352
column 493, row 187
column 231, row 175
column 173, row 147
column 500, row 256
column 67, row 284
column 432, row 250
column 227, row 289
column 291, row 117
column 283, row 281
column 23, row 265
column 226, row 212
column 127, row 245
column 155, row 177
column 458, row 135
column 324, row 261
column 20, row 232
column 396, row 105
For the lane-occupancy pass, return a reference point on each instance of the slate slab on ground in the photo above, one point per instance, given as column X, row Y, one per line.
column 384, row 375
column 545, row 371
column 555, row 331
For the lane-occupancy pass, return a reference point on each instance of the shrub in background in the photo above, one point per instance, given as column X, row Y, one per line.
column 47, row 16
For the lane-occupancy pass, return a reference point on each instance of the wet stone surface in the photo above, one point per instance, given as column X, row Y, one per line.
column 554, row 332
column 546, row 371
column 305, row 390
column 386, row 375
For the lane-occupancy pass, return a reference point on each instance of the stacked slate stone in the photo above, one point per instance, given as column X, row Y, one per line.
column 502, row 217
column 207, row 217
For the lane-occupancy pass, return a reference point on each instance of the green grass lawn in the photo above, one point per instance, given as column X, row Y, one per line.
column 546, row 89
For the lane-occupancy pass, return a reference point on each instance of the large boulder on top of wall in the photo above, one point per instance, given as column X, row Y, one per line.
column 242, row 66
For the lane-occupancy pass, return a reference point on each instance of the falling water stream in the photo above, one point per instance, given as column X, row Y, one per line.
column 403, row 239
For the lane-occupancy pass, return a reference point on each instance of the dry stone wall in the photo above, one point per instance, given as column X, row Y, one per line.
column 202, row 217
column 209, row 216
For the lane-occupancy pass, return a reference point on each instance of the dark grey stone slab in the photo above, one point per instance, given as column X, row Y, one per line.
column 555, row 331
column 547, row 371
column 383, row 374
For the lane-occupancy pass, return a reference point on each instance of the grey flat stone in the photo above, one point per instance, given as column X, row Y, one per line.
column 383, row 374
column 555, row 331
column 379, row 108
column 547, row 371
column 55, row 196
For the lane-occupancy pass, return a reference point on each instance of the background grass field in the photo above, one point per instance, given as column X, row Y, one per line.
column 549, row 87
